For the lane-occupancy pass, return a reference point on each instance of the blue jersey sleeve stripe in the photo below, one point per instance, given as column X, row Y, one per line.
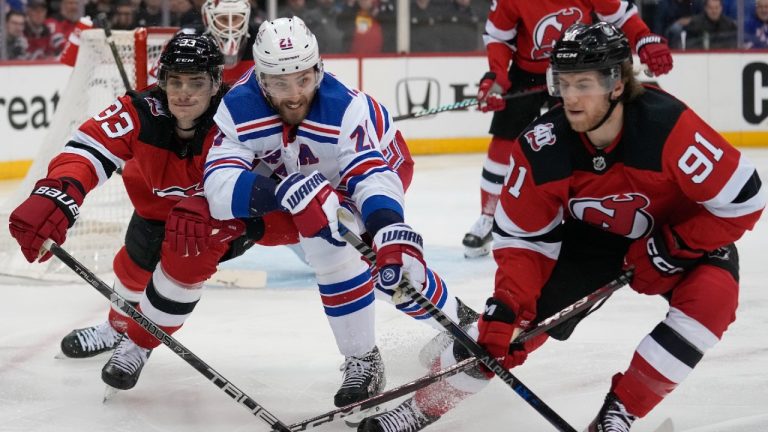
column 378, row 202
column 373, row 154
column 354, row 181
column 241, row 195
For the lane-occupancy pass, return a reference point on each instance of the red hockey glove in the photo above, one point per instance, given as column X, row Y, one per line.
column 399, row 250
column 659, row 261
column 191, row 231
column 654, row 53
column 498, row 325
column 492, row 88
column 313, row 203
column 49, row 211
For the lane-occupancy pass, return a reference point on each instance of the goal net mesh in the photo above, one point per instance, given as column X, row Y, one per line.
column 94, row 84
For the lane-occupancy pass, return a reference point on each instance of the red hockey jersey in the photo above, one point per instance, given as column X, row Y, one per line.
column 136, row 134
column 666, row 167
column 525, row 31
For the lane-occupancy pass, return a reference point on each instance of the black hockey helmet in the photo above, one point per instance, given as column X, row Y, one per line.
column 582, row 47
column 191, row 53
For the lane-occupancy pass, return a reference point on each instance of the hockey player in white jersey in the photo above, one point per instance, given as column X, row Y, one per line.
column 327, row 145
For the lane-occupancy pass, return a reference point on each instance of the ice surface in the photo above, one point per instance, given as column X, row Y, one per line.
column 275, row 344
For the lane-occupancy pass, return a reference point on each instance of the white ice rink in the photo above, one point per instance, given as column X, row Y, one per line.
column 275, row 344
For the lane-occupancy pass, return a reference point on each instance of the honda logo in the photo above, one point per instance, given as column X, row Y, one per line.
column 417, row 94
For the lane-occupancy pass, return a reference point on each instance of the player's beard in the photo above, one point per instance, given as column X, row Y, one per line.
column 586, row 120
column 294, row 112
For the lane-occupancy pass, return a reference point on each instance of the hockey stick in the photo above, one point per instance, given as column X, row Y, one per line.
column 102, row 17
column 466, row 103
column 180, row 350
column 568, row 312
column 345, row 218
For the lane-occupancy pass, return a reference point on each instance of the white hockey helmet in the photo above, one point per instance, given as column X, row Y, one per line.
column 227, row 21
column 284, row 46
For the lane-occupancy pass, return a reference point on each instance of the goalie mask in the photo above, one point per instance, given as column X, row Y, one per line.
column 227, row 22
column 286, row 46
column 190, row 53
column 598, row 47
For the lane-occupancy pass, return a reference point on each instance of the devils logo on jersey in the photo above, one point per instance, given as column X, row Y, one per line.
column 540, row 135
column 194, row 190
column 155, row 106
column 622, row 214
column 548, row 30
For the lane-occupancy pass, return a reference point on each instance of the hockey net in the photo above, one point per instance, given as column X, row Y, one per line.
column 93, row 85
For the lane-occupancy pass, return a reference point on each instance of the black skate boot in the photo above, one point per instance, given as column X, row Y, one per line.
column 433, row 348
column 123, row 368
column 613, row 417
column 363, row 378
column 90, row 341
column 477, row 242
column 405, row 418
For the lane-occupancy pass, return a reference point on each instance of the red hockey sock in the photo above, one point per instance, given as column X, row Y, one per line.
column 641, row 387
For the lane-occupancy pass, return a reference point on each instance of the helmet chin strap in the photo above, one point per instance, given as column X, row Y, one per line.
column 613, row 103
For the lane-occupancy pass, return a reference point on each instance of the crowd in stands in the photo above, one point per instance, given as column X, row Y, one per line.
column 38, row 29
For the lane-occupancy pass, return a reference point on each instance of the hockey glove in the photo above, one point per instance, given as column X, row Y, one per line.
column 399, row 251
column 659, row 261
column 48, row 213
column 498, row 326
column 654, row 53
column 313, row 203
column 491, row 91
column 191, row 231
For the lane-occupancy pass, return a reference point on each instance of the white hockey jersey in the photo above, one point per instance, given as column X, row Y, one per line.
column 346, row 136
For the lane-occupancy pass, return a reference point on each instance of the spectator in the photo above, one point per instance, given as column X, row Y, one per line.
column 184, row 14
column 150, row 13
column 366, row 26
column 124, row 17
column 756, row 26
column 322, row 21
column 15, row 43
column 460, row 29
column 424, row 19
column 711, row 29
column 63, row 23
column 293, row 8
column 96, row 7
column 258, row 15
column 37, row 33
column 673, row 15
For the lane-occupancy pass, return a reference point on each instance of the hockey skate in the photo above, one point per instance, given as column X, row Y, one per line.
column 613, row 417
column 433, row 348
column 405, row 418
column 477, row 242
column 122, row 370
column 363, row 378
column 89, row 341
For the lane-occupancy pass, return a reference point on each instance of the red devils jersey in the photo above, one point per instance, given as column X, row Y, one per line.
column 136, row 133
column 525, row 31
column 666, row 167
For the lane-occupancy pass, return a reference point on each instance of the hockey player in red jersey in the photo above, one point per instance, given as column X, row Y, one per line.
column 620, row 175
column 519, row 36
column 160, row 138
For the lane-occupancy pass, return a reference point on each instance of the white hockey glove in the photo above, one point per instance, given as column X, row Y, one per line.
column 399, row 251
column 313, row 203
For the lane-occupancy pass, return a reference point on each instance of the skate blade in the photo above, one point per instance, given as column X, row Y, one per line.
column 354, row 420
column 109, row 393
column 471, row 253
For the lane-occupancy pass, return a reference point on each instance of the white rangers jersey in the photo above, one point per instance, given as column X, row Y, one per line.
column 347, row 136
